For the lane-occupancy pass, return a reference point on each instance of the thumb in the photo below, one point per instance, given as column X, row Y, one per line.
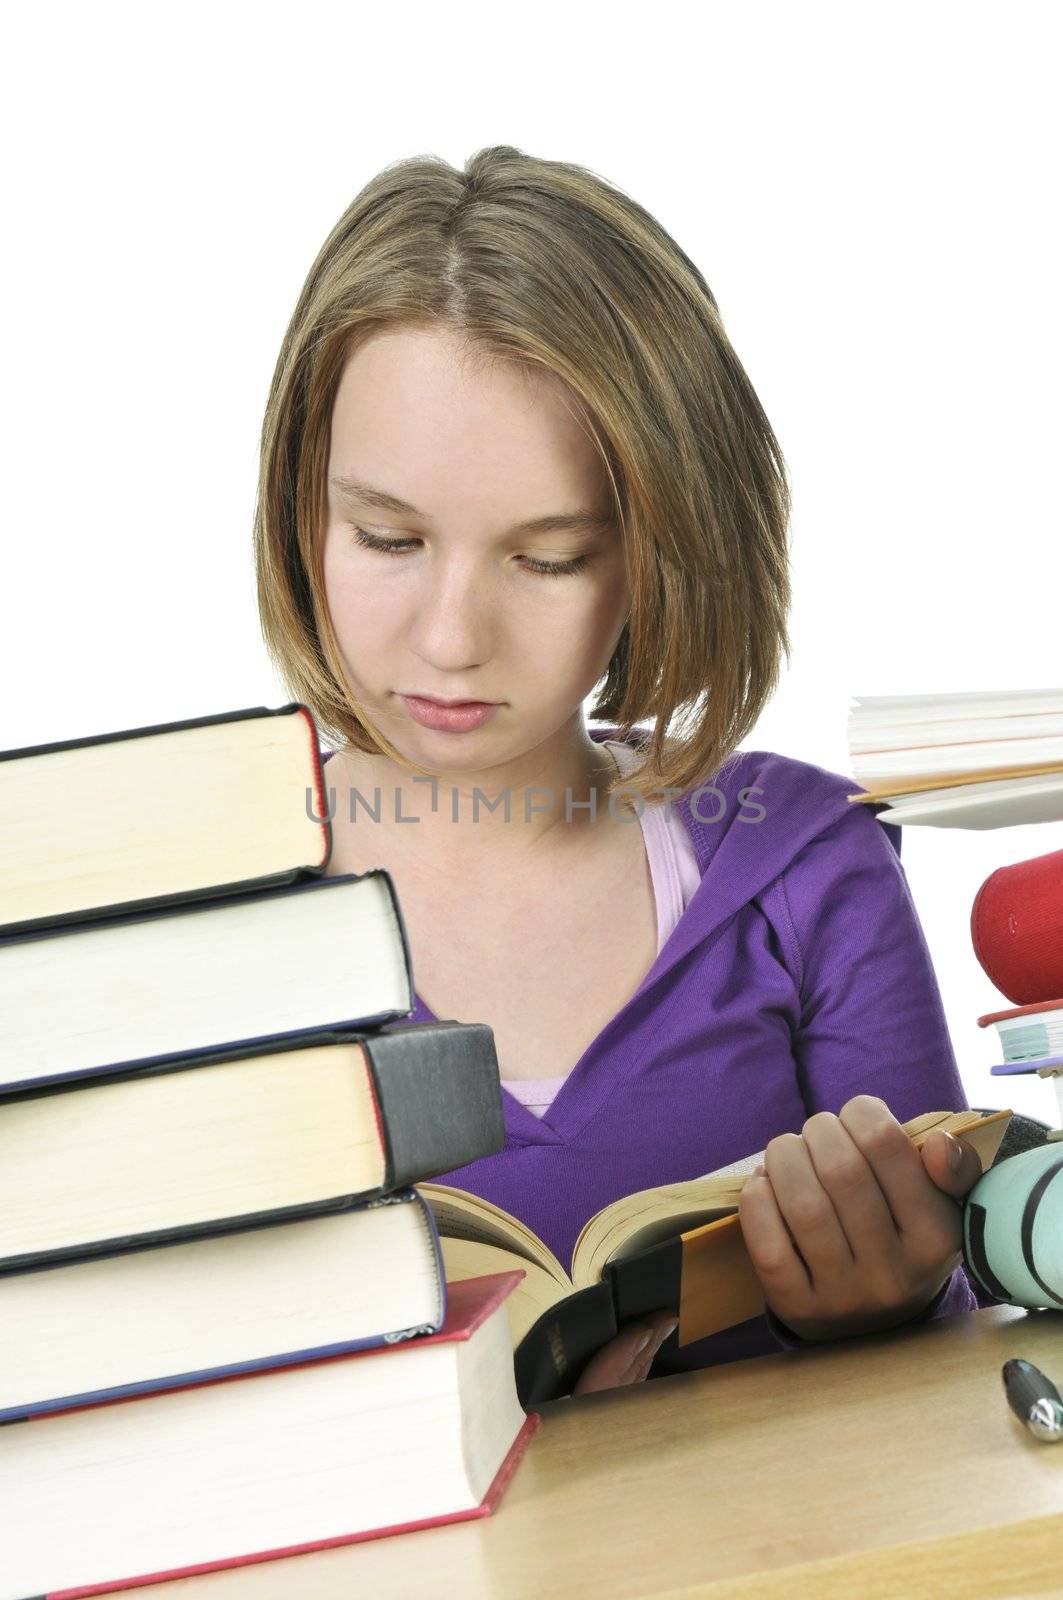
column 951, row 1164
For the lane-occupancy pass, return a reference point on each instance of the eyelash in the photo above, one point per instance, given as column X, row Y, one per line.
column 546, row 569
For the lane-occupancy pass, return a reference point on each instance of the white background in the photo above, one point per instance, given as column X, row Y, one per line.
column 872, row 193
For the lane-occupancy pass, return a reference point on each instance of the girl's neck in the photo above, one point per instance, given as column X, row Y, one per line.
column 461, row 821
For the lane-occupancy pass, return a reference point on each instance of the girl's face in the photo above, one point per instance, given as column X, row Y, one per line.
column 470, row 606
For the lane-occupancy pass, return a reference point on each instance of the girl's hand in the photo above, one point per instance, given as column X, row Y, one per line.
column 849, row 1227
column 628, row 1357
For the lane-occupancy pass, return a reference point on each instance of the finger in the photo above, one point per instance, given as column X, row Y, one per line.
column 925, row 1218
column 634, row 1345
column 806, row 1207
column 609, row 1366
column 642, row 1372
column 937, row 1154
column 854, row 1191
column 605, row 1370
column 595, row 1375
column 662, row 1324
column 623, row 1359
column 783, row 1275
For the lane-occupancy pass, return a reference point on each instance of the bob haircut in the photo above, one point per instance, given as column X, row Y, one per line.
column 545, row 265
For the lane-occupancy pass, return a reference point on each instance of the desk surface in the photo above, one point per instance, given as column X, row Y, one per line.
column 854, row 1468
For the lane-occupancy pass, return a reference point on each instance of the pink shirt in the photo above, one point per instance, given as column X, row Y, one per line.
column 674, row 870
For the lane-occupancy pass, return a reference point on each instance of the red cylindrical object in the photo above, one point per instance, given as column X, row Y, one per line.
column 1017, row 928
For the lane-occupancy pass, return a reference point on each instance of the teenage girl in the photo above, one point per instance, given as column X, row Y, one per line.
column 510, row 461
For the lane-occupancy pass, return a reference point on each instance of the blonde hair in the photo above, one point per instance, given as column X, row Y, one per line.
column 545, row 265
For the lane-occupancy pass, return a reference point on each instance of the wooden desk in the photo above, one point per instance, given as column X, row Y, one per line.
column 844, row 1472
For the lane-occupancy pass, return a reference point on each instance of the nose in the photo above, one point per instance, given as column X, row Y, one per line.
column 455, row 616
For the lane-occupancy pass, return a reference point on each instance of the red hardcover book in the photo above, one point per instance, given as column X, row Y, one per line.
column 269, row 1464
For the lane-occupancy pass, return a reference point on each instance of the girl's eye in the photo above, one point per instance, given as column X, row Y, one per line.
column 397, row 547
column 371, row 542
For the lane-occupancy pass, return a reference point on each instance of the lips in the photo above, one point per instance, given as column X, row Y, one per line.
column 460, row 717
column 451, row 705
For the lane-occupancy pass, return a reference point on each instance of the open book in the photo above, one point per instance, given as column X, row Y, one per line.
column 677, row 1247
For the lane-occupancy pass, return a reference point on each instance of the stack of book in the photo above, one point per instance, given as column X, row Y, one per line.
column 225, row 1328
column 979, row 760
column 1017, row 933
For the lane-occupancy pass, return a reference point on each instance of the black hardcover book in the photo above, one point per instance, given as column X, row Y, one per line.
column 144, row 1155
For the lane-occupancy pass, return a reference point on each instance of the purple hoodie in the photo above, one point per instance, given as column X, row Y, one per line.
column 797, row 976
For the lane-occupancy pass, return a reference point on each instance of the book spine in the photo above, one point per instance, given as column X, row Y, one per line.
column 439, row 1096
column 650, row 1280
column 559, row 1344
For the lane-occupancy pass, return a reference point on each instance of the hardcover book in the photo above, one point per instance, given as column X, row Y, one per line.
column 269, row 1293
column 200, row 807
column 188, row 976
column 269, row 1464
column 88, row 1164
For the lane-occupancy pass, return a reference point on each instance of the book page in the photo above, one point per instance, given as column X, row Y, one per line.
column 461, row 1215
column 539, row 1290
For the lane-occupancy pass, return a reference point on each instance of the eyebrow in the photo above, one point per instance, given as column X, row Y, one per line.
column 580, row 521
